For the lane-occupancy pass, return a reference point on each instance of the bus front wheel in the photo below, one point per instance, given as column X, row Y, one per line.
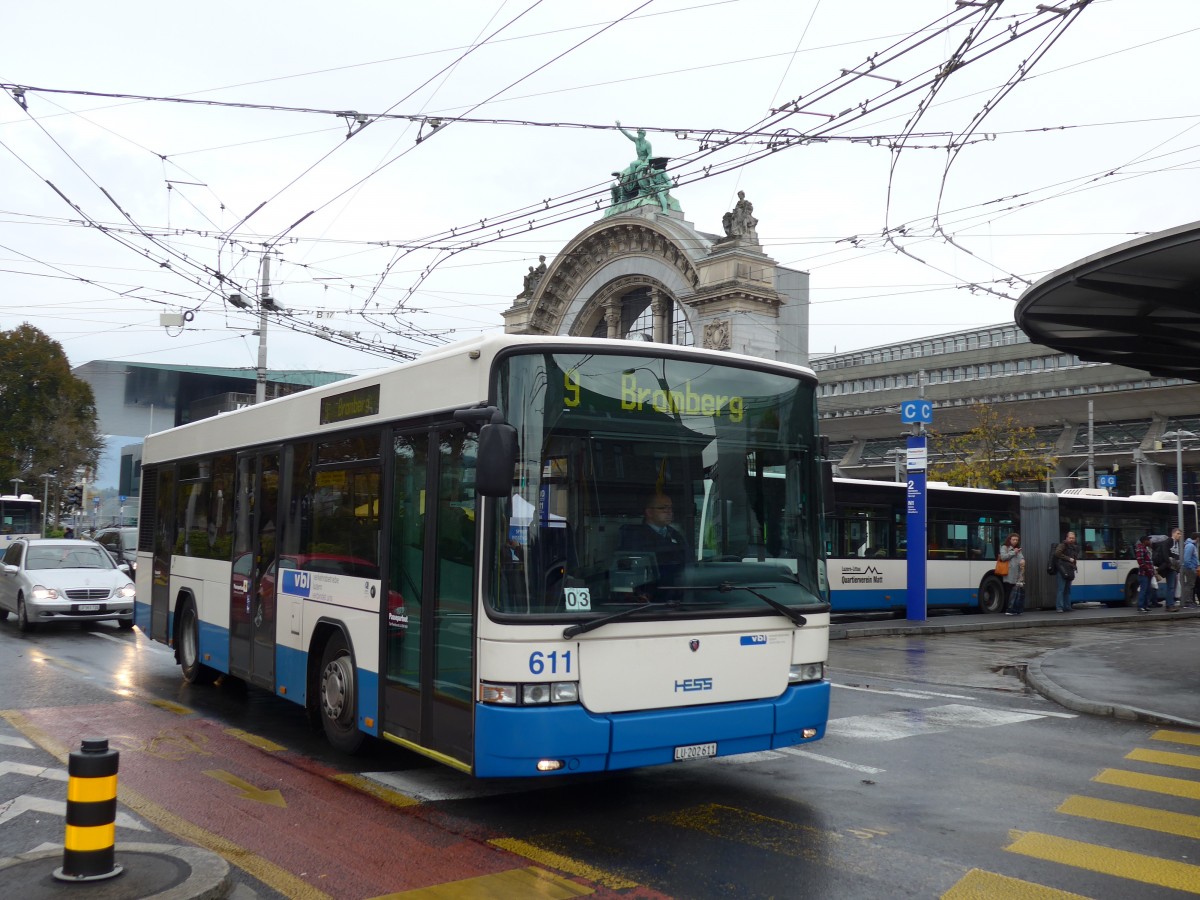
column 1132, row 586
column 991, row 595
column 338, row 694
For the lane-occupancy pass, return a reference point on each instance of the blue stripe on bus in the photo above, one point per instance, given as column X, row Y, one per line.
column 291, row 674
column 897, row 598
column 214, row 646
column 141, row 616
column 509, row 741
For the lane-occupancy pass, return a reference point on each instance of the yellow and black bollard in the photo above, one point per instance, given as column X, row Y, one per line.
column 89, row 847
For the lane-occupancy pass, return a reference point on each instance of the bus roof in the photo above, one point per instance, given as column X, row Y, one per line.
column 455, row 376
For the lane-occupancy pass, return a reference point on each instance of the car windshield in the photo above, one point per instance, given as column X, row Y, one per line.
column 67, row 558
column 650, row 480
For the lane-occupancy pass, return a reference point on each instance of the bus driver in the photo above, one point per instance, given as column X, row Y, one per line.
column 656, row 534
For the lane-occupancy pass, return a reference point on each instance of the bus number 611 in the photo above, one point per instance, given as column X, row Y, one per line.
column 539, row 661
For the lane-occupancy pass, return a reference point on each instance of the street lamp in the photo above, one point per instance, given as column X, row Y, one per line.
column 45, row 499
column 895, row 456
column 1179, row 436
column 17, row 482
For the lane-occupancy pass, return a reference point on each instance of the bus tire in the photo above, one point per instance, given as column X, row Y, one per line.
column 1130, row 591
column 991, row 595
column 187, row 644
column 337, row 694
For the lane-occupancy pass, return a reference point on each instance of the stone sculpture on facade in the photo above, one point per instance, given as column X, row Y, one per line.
column 644, row 181
column 740, row 222
column 532, row 279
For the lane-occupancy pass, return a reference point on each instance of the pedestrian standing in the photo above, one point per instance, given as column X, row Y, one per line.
column 1066, row 556
column 1174, row 564
column 1016, row 601
column 1145, row 561
column 1187, row 572
column 1012, row 557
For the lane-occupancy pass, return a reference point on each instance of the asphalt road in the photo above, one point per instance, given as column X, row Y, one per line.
column 941, row 775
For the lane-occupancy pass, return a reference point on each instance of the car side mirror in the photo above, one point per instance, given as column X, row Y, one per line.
column 124, row 567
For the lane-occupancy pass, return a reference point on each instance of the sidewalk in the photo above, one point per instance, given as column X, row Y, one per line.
column 1155, row 678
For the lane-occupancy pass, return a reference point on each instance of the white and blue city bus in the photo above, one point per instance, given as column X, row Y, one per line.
column 867, row 550
column 434, row 555
column 20, row 518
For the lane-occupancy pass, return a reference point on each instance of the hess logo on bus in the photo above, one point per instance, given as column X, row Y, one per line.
column 694, row 684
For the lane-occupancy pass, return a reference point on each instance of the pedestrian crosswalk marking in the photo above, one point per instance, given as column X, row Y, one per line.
column 1109, row 861
column 26, row 803
column 904, row 723
column 908, row 695
column 15, row 742
column 978, row 884
column 1134, row 816
column 1165, row 758
column 32, row 771
column 1172, row 787
column 1177, row 737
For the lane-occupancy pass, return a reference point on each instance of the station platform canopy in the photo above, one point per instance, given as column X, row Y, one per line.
column 1136, row 305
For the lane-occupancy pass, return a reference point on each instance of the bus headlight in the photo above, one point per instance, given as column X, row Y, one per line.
column 555, row 692
column 806, row 672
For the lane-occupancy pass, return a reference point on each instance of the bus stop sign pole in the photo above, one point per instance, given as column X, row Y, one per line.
column 920, row 413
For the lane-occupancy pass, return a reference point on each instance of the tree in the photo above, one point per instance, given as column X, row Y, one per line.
column 48, row 415
column 996, row 451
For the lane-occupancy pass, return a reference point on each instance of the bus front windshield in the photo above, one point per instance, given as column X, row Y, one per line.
column 648, row 480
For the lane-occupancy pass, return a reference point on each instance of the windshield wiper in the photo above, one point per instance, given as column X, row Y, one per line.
column 726, row 586
column 571, row 630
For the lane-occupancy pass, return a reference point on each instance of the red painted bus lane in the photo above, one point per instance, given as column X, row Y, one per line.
column 342, row 843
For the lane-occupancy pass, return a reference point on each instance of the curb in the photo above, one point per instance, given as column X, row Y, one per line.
column 844, row 631
column 207, row 878
column 1056, row 693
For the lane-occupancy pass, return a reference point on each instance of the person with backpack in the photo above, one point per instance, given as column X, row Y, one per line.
column 1145, row 560
column 1174, row 563
column 1066, row 557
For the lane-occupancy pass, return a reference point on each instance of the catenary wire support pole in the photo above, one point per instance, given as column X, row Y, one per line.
column 260, row 382
column 1091, row 445
column 1179, row 436
column 45, row 500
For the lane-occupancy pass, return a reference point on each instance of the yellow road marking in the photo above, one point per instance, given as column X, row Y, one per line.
column 1172, row 787
column 270, row 796
column 516, row 884
column 1134, row 816
column 733, row 824
column 563, row 863
column 178, row 708
column 980, row 885
column 1165, row 758
column 377, row 790
column 1177, row 737
column 265, row 871
column 254, row 740
column 1109, row 861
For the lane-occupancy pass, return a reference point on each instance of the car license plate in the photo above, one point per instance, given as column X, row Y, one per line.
column 88, row 607
column 695, row 751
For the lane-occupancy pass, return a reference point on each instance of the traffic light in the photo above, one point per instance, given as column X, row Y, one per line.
column 75, row 495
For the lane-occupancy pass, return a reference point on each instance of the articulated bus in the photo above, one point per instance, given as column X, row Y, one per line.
column 439, row 555
column 867, row 549
column 20, row 517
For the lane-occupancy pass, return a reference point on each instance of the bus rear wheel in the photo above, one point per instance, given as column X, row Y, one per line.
column 991, row 595
column 188, row 647
column 338, row 697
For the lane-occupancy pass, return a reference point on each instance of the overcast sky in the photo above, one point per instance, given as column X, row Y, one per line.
column 1090, row 138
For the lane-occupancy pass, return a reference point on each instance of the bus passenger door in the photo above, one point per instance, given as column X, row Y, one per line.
column 251, row 593
column 429, row 635
column 164, row 545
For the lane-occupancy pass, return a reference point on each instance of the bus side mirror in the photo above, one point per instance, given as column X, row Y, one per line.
column 827, row 498
column 495, row 460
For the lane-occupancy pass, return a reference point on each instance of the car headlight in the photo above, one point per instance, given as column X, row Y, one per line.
column 41, row 592
column 127, row 592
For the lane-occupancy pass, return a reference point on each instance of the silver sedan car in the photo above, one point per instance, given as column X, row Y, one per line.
column 53, row 580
